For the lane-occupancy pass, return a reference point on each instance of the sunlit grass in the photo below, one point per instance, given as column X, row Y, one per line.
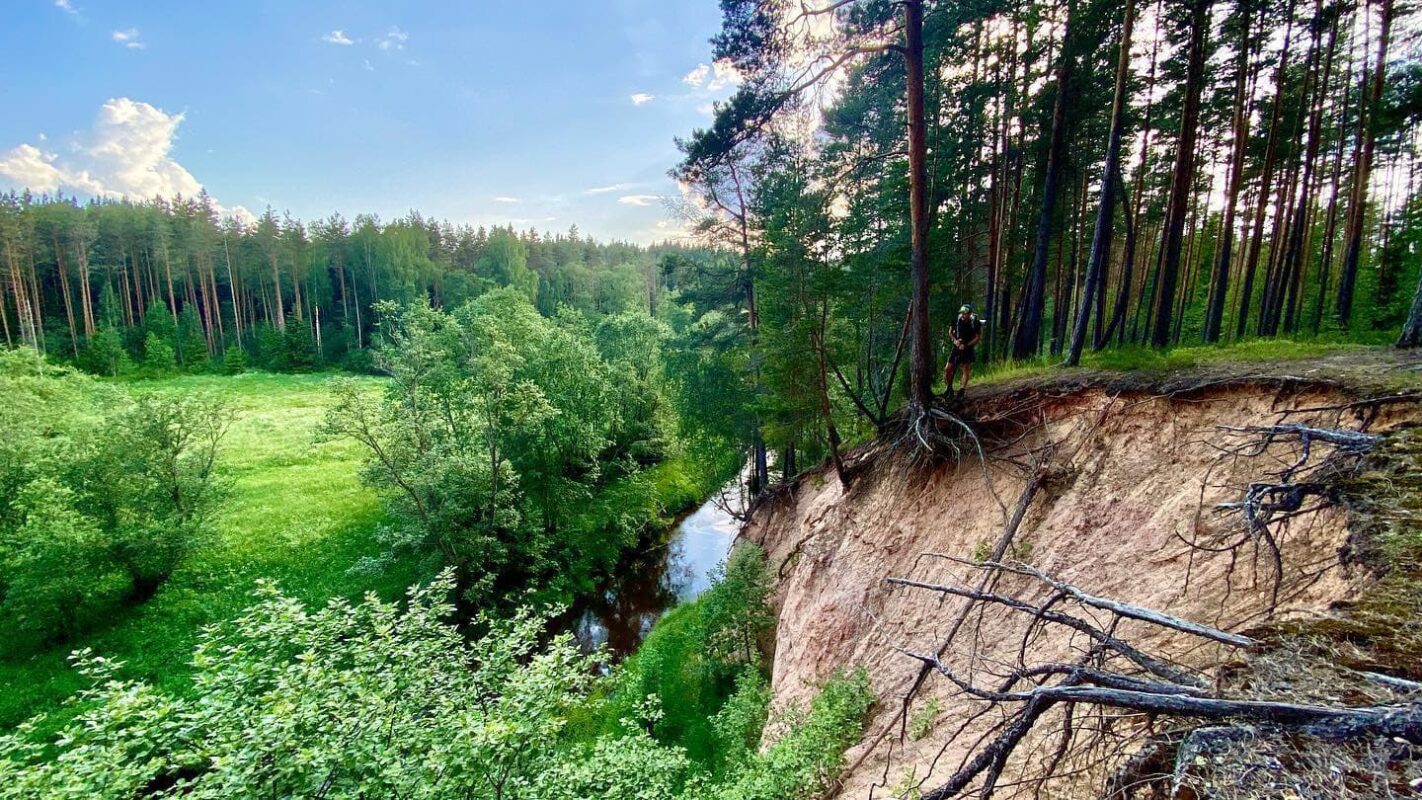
column 294, row 511
column 1146, row 359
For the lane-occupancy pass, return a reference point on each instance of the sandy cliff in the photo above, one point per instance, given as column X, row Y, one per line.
column 1127, row 474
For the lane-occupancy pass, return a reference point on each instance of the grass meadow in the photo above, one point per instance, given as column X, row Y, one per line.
column 293, row 510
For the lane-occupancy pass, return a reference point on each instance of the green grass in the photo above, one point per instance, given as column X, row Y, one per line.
column 294, row 510
column 1151, row 360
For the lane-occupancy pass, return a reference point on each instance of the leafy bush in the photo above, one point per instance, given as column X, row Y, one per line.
column 234, row 360
column 698, row 658
column 100, row 495
column 192, row 342
column 300, row 344
column 493, row 442
column 381, row 700
column 158, row 357
column 104, row 353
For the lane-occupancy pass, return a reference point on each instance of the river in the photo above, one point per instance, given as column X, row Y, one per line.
column 650, row 583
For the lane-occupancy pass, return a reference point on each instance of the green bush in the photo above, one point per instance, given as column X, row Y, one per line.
column 271, row 348
column 101, row 494
column 192, row 342
column 159, row 360
column 495, row 445
column 234, row 360
column 390, row 700
column 104, row 353
column 300, row 344
column 698, row 657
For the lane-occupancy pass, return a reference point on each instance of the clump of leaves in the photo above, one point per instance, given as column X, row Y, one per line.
column 924, row 718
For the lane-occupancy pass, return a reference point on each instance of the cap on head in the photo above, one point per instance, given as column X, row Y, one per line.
column 966, row 309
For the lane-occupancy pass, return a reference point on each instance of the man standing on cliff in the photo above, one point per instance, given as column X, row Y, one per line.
column 965, row 332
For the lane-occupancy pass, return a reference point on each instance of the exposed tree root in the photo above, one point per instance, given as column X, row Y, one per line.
column 1113, row 674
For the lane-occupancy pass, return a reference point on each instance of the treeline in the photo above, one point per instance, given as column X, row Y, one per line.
column 1088, row 174
column 98, row 282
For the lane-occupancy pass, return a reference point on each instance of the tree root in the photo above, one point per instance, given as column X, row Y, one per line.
column 1116, row 674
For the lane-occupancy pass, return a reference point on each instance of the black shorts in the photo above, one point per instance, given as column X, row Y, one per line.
column 967, row 355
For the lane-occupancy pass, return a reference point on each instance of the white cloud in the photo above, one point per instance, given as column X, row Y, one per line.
column 712, row 77
column 339, row 37
column 642, row 98
column 394, row 40
column 609, row 189
column 66, row 6
column 368, row 66
column 503, row 198
column 31, row 168
column 127, row 153
column 697, row 76
column 709, row 109
column 638, row 199
column 128, row 37
column 723, row 74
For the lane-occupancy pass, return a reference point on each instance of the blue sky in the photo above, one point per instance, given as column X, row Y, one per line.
column 544, row 114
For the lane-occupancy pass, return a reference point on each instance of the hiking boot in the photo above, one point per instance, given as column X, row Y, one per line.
column 960, row 394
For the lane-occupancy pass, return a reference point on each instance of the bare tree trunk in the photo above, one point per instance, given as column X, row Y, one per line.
column 62, row 266
column 1184, row 174
column 1219, row 284
column 1029, row 324
column 1101, row 236
column 1358, row 201
column 921, row 345
column 1256, row 239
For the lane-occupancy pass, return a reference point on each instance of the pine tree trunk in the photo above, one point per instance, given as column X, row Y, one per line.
column 1101, row 235
column 1219, row 283
column 1184, row 174
column 1358, row 201
column 1256, row 239
column 920, row 343
column 1029, row 323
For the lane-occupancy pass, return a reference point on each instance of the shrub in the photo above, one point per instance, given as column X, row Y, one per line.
column 234, row 360
column 158, row 357
column 104, row 353
column 100, row 496
column 391, row 700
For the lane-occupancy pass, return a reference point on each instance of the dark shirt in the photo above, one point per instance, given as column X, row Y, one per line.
column 967, row 329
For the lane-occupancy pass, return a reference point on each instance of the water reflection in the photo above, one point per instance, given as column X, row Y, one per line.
column 652, row 582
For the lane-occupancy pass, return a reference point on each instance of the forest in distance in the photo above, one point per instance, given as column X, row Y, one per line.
column 1105, row 182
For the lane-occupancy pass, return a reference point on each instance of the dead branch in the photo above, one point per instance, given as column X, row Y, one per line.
column 1119, row 675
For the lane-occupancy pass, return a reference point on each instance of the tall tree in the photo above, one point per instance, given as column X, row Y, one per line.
column 1110, row 173
column 1184, row 173
column 1363, row 170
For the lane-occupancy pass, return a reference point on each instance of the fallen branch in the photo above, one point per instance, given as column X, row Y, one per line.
column 1148, row 685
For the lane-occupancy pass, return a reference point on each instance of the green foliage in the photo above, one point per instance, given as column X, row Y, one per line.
column 158, row 321
column 294, row 701
column 290, row 509
column 104, row 353
column 924, row 718
column 234, row 360
column 698, row 658
column 385, row 699
column 100, row 496
column 499, row 429
column 192, row 343
column 805, row 759
column 271, row 348
column 159, row 360
column 300, row 346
